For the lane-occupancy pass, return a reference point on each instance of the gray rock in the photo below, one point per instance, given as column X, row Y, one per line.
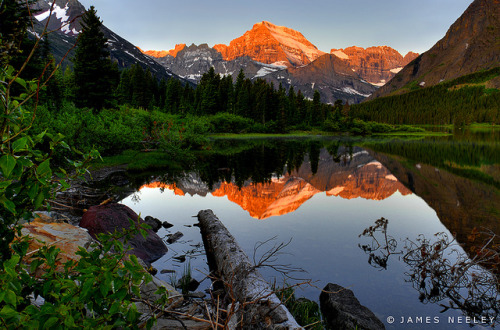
column 167, row 225
column 342, row 310
column 154, row 223
column 174, row 237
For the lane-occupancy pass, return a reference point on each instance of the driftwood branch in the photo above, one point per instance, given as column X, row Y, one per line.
column 241, row 278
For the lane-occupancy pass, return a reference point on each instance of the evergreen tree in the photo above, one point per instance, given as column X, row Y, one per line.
column 15, row 46
column 53, row 93
column 14, row 17
column 315, row 115
column 96, row 76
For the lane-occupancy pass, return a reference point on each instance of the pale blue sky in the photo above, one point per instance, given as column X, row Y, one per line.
column 401, row 24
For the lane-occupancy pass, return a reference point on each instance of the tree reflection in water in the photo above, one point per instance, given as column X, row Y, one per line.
column 441, row 271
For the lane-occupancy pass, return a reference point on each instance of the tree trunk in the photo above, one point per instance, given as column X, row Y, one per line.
column 243, row 283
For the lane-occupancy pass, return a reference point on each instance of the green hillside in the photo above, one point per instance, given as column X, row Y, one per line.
column 470, row 98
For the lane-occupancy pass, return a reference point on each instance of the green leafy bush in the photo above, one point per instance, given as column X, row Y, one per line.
column 228, row 123
column 98, row 291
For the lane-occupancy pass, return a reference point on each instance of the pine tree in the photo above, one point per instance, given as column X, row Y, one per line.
column 53, row 93
column 96, row 76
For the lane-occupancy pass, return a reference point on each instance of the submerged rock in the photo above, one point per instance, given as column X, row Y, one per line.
column 167, row 225
column 174, row 237
column 342, row 310
column 116, row 217
column 154, row 223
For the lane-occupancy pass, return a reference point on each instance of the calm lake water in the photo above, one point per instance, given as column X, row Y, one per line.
column 323, row 193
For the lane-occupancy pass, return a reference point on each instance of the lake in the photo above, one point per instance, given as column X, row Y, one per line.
column 376, row 215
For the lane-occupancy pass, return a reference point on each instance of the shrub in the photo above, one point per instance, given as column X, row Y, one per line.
column 228, row 123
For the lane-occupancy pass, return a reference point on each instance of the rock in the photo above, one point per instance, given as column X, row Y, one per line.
column 154, row 223
column 193, row 285
column 66, row 237
column 172, row 324
column 174, row 237
column 197, row 294
column 342, row 310
column 148, row 293
column 377, row 65
column 45, row 217
column 268, row 43
column 190, row 286
column 110, row 217
column 167, row 225
column 180, row 258
column 167, row 271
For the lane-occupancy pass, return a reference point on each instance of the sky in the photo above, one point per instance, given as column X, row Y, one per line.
column 405, row 25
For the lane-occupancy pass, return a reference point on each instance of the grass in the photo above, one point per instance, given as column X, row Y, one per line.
column 293, row 134
column 139, row 160
column 305, row 312
column 186, row 278
column 426, row 133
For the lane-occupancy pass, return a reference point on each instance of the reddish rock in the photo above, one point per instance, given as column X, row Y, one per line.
column 110, row 217
column 268, row 43
column 64, row 236
column 409, row 57
column 163, row 53
column 377, row 65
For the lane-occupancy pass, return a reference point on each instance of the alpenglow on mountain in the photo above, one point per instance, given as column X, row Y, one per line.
column 284, row 56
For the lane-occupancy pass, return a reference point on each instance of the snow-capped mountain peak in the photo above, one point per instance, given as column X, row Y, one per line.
column 63, row 15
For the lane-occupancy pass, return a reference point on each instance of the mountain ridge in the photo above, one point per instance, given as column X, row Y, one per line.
column 64, row 21
column 470, row 45
column 271, row 44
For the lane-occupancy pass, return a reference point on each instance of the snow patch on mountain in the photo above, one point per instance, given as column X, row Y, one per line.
column 342, row 55
column 349, row 90
column 396, row 70
column 62, row 15
column 264, row 71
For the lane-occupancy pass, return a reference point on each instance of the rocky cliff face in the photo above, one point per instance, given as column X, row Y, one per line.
column 329, row 75
column 163, row 53
column 193, row 61
column 470, row 45
column 271, row 44
column 376, row 65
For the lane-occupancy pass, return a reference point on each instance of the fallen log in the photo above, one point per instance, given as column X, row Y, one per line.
column 258, row 307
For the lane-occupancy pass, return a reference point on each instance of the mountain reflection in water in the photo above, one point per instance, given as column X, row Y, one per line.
column 359, row 176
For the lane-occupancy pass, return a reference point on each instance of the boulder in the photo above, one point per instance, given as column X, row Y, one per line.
column 115, row 217
column 66, row 237
column 342, row 310
column 154, row 223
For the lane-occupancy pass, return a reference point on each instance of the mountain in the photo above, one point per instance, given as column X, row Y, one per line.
column 330, row 75
column 356, row 175
column 470, row 45
column 64, row 20
column 163, row 53
column 193, row 61
column 376, row 65
column 271, row 44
